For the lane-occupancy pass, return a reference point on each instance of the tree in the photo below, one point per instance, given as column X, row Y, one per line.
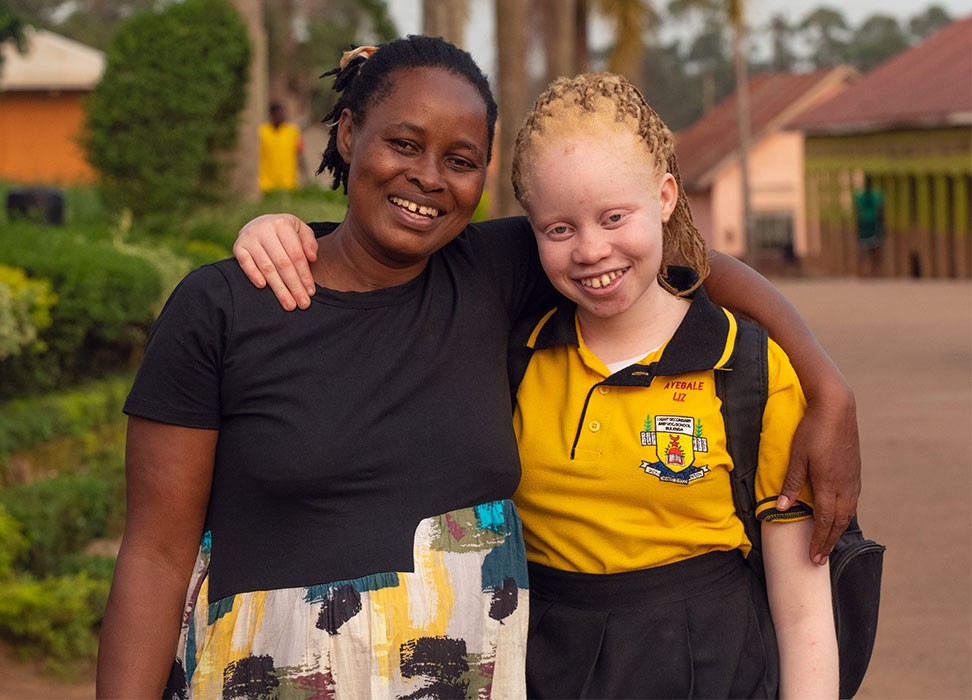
column 926, row 23
column 709, row 53
column 827, row 34
column 445, row 18
column 91, row 22
column 319, row 30
column 675, row 94
column 631, row 19
column 11, row 30
column 511, row 30
column 165, row 114
column 783, row 59
column 246, row 156
column 558, row 22
column 878, row 38
column 737, row 18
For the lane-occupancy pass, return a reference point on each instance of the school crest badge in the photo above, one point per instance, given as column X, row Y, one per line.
column 677, row 442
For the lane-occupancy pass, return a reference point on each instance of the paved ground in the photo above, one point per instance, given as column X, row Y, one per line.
column 907, row 348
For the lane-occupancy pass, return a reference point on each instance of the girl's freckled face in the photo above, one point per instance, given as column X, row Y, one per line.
column 597, row 207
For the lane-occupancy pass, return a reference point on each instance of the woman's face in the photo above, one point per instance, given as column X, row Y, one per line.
column 417, row 165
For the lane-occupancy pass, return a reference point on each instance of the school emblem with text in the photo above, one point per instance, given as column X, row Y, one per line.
column 677, row 441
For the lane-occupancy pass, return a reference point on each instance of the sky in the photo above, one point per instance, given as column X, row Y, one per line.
column 479, row 41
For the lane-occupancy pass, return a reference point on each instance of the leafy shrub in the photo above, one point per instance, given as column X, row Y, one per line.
column 54, row 617
column 106, row 304
column 13, row 544
column 30, row 421
column 60, row 516
column 166, row 112
column 25, row 309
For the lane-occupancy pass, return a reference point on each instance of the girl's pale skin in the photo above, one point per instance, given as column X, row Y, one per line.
column 599, row 233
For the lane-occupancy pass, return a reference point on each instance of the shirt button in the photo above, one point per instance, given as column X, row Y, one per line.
column 594, row 426
column 603, row 389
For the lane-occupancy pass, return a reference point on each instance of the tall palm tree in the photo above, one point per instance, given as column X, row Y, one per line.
column 512, row 17
column 733, row 11
column 247, row 155
column 737, row 18
column 558, row 19
column 631, row 19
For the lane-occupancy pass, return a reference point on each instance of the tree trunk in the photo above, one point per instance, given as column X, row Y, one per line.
column 511, row 39
column 581, row 53
column 559, row 19
column 246, row 158
column 738, row 20
column 445, row 18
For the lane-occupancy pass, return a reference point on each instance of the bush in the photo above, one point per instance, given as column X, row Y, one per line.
column 166, row 112
column 25, row 309
column 54, row 617
column 30, row 421
column 13, row 544
column 60, row 516
column 106, row 304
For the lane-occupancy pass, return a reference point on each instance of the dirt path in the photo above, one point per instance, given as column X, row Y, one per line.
column 907, row 349
column 20, row 681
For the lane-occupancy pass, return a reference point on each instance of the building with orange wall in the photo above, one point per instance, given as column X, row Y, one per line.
column 42, row 102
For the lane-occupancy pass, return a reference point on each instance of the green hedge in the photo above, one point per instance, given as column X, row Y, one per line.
column 55, row 617
column 59, row 517
column 25, row 310
column 28, row 422
column 107, row 299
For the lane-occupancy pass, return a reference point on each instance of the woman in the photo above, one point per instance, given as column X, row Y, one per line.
column 347, row 471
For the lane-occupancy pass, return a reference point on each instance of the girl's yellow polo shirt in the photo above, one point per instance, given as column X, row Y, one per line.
column 629, row 471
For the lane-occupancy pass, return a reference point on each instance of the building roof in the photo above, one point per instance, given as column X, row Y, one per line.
column 928, row 85
column 52, row 62
column 712, row 142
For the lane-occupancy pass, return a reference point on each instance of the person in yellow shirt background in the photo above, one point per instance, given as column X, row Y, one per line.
column 281, row 152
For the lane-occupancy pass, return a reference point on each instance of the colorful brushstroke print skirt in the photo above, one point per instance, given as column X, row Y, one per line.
column 454, row 628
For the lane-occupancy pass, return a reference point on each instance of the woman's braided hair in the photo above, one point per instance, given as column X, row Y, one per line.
column 572, row 107
column 366, row 77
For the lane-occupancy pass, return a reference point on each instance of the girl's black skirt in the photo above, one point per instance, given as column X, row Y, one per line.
column 699, row 628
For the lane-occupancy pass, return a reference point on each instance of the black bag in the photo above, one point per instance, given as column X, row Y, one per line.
column 856, row 563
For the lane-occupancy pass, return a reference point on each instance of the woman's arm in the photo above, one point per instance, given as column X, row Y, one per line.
column 799, row 598
column 169, row 474
column 826, row 444
column 276, row 249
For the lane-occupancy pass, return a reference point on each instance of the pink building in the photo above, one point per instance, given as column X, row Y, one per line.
column 708, row 154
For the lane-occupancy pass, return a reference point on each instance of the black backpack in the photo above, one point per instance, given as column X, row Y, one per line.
column 856, row 563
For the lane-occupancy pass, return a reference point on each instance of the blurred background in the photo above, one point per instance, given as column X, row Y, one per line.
column 829, row 146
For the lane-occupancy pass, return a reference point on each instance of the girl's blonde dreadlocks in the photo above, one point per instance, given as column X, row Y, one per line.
column 569, row 106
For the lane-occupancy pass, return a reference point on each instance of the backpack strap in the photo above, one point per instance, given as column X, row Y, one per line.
column 521, row 347
column 742, row 389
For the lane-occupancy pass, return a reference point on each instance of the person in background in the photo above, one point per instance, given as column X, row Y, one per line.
column 638, row 583
column 869, row 213
column 281, row 152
